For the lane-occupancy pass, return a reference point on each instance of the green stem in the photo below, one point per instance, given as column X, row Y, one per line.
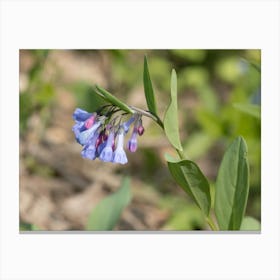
column 181, row 155
column 160, row 123
column 211, row 223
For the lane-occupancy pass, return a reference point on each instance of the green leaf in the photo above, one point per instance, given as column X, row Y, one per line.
column 170, row 158
column 253, row 110
column 232, row 186
column 188, row 175
column 148, row 88
column 112, row 99
column 108, row 211
column 171, row 125
column 34, row 227
column 250, row 223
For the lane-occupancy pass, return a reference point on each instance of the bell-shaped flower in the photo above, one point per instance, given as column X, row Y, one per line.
column 132, row 143
column 80, row 115
column 99, row 148
column 90, row 121
column 140, row 127
column 107, row 153
column 78, row 128
column 85, row 135
column 119, row 153
column 126, row 125
column 89, row 150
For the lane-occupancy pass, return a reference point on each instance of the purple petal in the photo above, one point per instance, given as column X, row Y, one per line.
column 86, row 135
column 120, row 156
column 81, row 115
column 89, row 150
column 77, row 128
column 106, row 154
column 127, row 124
column 99, row 148
column 132, row 143
column 89, row 153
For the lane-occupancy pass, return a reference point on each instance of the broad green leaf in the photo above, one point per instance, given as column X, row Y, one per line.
column 188, row 175
column 148, row 88
column 250, row 223
column 253, row 110
column 171, row 125
column 232, row 186
column 112, row 99
column 107, row 213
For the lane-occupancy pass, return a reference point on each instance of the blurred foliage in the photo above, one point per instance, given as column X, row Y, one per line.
column 85, row 96
column 38, row 93
column 210, row 84
column 107, row 212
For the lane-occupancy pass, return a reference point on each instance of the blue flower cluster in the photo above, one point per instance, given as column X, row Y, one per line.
column 102, row 133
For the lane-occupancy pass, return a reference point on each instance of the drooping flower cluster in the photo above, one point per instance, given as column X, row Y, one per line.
column 102, row 133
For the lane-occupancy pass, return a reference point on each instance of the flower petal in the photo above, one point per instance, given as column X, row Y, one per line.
column 120, row 156
column 106, row 154
column 81, row 115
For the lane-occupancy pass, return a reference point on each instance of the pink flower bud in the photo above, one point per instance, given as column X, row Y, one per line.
column 140, row 130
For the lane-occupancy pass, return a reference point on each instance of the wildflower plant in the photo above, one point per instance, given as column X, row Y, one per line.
column 103, row 133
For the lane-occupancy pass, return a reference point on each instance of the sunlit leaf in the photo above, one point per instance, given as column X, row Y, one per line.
column 106, row 214
column 250, row 223
column 232, row 186
column 171, row 125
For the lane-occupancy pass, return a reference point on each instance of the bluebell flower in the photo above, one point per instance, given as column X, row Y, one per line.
column 128, row 123
column 90, row 121
column 78, row 128
column 132, row 143
column 96, row 133
column 89, row 150
column 119, row 153
column 85, row 135
column 100, row 148
column 140, row 127
column 81, row 115
column 107, row 152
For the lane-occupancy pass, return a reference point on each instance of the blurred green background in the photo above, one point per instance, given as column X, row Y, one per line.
column 58, row 188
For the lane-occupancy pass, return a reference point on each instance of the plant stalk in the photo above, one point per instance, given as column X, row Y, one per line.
column 211, row 223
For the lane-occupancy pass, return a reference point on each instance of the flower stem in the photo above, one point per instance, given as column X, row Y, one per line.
column 211, row 223
column 148, row 114
column 181, row 155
